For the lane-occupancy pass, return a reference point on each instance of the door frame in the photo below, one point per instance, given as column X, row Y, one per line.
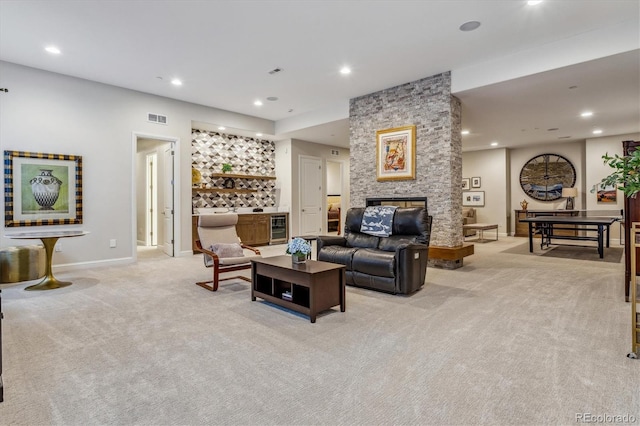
column 151, row 202
column 176, row 189
column 343, row 205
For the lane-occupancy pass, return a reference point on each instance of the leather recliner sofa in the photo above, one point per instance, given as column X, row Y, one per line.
column 393, row 264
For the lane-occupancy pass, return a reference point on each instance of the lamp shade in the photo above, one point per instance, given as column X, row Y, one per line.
column 569, row 192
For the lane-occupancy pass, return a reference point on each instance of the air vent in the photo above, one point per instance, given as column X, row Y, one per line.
column 156, row 118
column 275, row 71
column 335, row 152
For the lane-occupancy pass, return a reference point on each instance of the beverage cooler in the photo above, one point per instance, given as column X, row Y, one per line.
column 278, row 229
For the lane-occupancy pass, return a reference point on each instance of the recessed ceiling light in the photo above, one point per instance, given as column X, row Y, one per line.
column 221, row 128
column 494, row 143
column 258, row 134
column 258, row 103
column 52, row 49
column 345, row 70
column 586, row 114
column 597, row 131
column 469, row 26
column 176, row 82
column 534, row 2
column 465, row 132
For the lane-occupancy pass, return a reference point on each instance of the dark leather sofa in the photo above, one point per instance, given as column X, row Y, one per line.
column 393, row 264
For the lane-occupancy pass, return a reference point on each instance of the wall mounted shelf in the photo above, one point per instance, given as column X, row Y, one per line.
column 230, row 175
column 234, row 190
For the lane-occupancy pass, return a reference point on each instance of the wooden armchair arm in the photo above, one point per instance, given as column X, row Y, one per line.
column 253, row 249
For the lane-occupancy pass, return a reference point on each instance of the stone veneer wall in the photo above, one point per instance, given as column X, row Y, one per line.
column 429, row 105
column 247, row 156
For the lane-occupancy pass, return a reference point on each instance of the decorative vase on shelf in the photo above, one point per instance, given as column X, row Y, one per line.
column 297, row 258
column 524, row 204
column 46, row 189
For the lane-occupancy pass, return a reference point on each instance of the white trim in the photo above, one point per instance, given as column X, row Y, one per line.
column 92, row 263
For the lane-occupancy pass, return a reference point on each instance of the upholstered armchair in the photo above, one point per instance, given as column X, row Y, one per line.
column 222, row 249
column 469, row 217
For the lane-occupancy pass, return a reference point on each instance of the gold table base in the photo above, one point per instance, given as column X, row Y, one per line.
column 48, row 283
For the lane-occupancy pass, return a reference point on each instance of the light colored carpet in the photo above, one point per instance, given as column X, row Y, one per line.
column 611, row 254
column 507, row 339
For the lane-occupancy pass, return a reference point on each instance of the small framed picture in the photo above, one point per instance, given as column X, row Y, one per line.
column 475, row 182
column 607, row 194
column 473, row 199
column 465, row 184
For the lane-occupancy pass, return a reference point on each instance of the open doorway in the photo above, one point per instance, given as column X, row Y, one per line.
column 334, row 197
column 154, row 196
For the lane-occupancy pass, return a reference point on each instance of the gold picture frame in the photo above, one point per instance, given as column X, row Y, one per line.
column 42, row 189
column 396, row 153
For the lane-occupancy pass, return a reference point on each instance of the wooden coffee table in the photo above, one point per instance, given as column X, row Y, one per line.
column 308, row 288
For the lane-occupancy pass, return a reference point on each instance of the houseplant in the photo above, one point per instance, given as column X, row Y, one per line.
column 626, row 174
column 226, row 167
column 298, row 248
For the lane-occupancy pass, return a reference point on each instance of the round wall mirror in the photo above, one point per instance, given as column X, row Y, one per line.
column 544, row 176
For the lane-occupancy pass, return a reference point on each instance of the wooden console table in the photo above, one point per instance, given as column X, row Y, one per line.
column 522, row 227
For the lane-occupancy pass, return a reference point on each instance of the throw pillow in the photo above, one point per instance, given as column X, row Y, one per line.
column 227, row 250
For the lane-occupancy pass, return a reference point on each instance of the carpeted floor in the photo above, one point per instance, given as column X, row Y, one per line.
column 505, row 340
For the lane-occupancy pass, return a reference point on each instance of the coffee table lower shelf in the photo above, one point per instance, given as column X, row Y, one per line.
column 312, row 286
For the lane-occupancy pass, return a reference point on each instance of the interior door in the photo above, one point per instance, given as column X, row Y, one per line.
column 310, row 181
column 168, row 201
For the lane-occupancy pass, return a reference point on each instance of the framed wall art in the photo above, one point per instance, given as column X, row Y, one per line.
column 475, row 182
column 42, row 189
column 466, row 184
column 473, row 199
column 607, row 194
column 396, row 153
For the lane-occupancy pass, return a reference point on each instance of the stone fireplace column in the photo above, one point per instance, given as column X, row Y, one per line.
column 429, row 105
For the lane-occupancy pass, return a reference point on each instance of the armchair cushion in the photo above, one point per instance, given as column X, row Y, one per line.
column 227, row 250
column 338, row 254
column 374, row 262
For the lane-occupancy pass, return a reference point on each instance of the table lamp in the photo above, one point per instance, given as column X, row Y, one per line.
column 569, row 194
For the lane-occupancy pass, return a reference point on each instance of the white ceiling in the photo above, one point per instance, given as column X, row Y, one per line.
column 223, row 51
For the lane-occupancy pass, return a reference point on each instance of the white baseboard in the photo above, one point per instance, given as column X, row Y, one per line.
column 85, row 265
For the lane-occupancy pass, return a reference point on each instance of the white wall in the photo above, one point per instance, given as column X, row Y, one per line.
column 334, row 177
column 53, row 113
column 500, row 172
column 491, row 166
column 596, row 169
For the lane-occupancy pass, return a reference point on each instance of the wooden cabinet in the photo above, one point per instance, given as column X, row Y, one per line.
column 522, row 228
column 253, row 229
column 631, row 214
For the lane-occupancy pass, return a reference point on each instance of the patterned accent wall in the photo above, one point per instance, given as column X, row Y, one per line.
column 429, row 105
column 247, row 156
